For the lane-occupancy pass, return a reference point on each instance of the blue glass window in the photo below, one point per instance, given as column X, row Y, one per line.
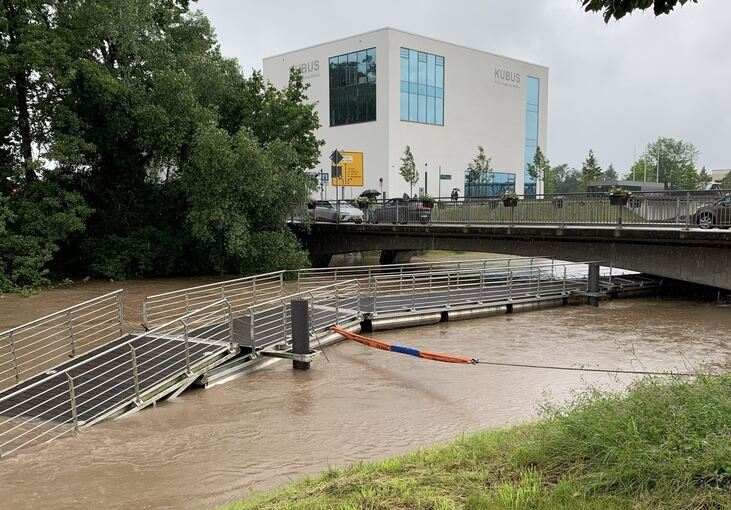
column 353, row 87
column 422, row 87
column 490, row 184
column 532, row 104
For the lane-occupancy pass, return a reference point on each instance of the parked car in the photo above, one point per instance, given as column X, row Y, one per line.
column 717, row 214
column 402, row 210
column 327, row 210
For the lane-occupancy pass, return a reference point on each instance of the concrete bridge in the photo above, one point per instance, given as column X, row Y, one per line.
column 692, row 255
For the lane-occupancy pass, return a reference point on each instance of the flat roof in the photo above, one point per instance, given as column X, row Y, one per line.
column 407, row 33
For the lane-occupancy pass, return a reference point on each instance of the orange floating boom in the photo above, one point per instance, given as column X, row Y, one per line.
column 433, row 356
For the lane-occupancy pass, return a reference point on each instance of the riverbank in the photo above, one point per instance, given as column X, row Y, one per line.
column 659, row 444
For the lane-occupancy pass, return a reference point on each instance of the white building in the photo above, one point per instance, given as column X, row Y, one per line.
column 380, row 91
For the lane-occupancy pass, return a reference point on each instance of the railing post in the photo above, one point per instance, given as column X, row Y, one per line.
column 72, row 397
column 538, row 284
column 187, row 303
column 281, row 283
column 413, row 292
column 563, row 290
column 223, row 291
column 284, row 320
column 15, row 358
column 401, row 279
column 120, row 313
column 375, row 296
column 687, row 210
column 337, row 306
column 186, row 343
column 449, row 289
column 70, row 323
column 510, row 284
column 145, row 322
column 482, row 284
column 135, row 374
column 253, row 291
column 231, row 346
column 252, row 331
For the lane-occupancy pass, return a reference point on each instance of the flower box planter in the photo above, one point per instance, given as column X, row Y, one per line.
column 618, row 199
column 427, row 203
column 510, row 202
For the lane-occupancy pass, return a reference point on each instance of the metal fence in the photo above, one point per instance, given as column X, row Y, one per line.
column 317, row 277
column 445, row 289
column 270, row 322
column 31, row 348
column 685, row 209
column 128, row 374
column 240, row 294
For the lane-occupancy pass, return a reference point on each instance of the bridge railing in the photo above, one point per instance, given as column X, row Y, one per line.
column 444, row 289
column 127, row 373
column 31, row 348
column 240, row 293
column 685, row 209
column 270, row 322
column 316, row 277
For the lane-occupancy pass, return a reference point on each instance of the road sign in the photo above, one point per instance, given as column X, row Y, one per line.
column 351, row 170
column 335, row 172
column 324, row 177
column 336, row 157
column 445, row 177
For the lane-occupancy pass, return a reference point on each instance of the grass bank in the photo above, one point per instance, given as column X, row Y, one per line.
column 660, row 444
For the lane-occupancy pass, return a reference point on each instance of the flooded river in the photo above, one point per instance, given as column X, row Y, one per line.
column 211, row 446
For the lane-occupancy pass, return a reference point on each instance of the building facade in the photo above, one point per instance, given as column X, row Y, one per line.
column 380, row 91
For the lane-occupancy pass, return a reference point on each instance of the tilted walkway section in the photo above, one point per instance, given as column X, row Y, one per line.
column 121, row 376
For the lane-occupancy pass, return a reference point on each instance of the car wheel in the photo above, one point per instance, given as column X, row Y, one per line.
column 705, row 220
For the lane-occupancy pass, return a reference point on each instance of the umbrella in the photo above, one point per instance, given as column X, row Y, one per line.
column 370, row 193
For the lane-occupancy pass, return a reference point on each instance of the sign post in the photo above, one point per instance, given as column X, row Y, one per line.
column 336, row 157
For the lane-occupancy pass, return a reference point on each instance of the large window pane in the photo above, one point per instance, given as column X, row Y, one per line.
column 353, row 87
column 533, row 86
column 422, row 75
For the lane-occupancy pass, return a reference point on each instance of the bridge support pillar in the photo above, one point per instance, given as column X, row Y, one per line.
column 321, row 260
column 300, row 332
column 593, row 284
column 395, row 256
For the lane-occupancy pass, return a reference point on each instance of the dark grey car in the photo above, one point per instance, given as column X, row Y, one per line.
column 402, row 210
column 717, row 214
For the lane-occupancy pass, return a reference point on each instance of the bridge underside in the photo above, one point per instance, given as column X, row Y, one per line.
column 696, row 256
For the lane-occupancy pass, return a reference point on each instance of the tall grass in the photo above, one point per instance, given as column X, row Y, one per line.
column 662, row 443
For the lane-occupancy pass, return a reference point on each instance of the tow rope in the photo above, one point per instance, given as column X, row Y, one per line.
column 402, row 349
column 466, row 360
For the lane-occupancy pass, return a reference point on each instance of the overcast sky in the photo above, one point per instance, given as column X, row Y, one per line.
column 612, row 88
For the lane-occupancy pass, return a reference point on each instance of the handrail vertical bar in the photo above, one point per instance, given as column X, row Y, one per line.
column 563, row 290
column 72, row 397
column 15, row 357
column 252, row 330
column 510, row 284
column 413, row 292
column 70, row 323
column 135, row 373
column 337, row 306
column 120, row 314
column 186, row 344
column 231, row 343
column 538, row 284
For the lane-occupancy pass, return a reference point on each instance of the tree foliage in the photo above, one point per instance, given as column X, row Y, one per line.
column 408, row 169
column 566, row 179
column 675, row 160
column 726, row 181
column 479, row 166
column 540, row 170
column 590, row 170
column 115, row 100
column 617, row 9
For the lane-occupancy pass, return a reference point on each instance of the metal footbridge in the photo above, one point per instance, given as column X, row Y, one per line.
column 76, row 367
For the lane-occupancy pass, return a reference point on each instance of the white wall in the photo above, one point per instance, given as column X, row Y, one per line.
column 479, row 109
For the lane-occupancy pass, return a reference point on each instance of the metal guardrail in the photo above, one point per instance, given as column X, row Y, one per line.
column 31, row 348
column 317, row 277
column 132, row 373
column 270, row 323
column 684, row 209
column 240, row 294
column 444, row 289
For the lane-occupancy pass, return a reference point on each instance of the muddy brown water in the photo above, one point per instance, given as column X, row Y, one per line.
column 209, row 447
column 212, row 446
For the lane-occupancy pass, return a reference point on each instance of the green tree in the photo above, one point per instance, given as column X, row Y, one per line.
column 408, row 170
column 610, row 174
column 479, row 166
column 617, row 9
column 566, row 179
column 726, row 181
column 704, row 177
column 590, row 170
column 540, row 170
column 675, row 160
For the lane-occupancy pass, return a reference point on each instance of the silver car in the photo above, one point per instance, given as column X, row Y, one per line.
column 327, row 210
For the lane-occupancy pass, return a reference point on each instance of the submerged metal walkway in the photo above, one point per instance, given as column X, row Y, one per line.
column 121, row 376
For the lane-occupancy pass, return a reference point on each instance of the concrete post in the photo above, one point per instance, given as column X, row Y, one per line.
column 300, row 332
column 593, row 284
